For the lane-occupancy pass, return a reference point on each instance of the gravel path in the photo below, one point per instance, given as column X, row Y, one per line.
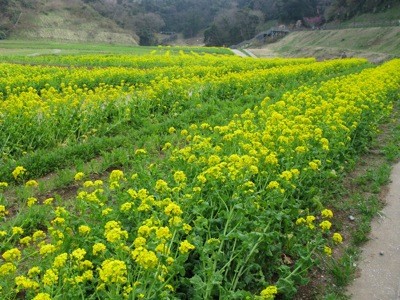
column 380, row 260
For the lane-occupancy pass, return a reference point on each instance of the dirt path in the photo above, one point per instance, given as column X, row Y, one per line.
column 380, row 260
column 249, row 53
column 238, row 53
column 244, row 53
column 264, row 52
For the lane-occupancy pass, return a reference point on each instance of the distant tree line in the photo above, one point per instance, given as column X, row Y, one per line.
column 223, row 22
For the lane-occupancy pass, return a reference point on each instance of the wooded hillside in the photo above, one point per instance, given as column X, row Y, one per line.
column 223, row 22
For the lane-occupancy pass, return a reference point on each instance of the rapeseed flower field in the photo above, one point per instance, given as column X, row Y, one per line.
column 212, row 208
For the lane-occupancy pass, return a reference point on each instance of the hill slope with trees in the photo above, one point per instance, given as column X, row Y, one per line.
column 221, row 22
column 61, row 20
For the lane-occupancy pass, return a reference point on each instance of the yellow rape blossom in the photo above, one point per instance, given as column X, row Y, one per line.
column 126, row 207
column 167, row 146
column 84, row 229
column 327, row 213
column 79, row 176
column 98, row 248
column 113, row 232
column 337, row 238
column 25, row 240
column 88, row 183
column 48, row 201
column 315, row 164
column 144, row 230
column 47, row 249
column 163, row 233
column 7, row 268
column 23, row 282
column 161, row 186
column 17, row 230
column 42, row 296
column 175, row 221
column 34, row 271
column 310, row 220
column 32, row 183
column 179, row 177
column 162, row 248
column 58, row 221
column 170, row 260
column 145, row 258
column 3, row 211
column 18, row 171
column 31, row 201
column 325, row 225
column 98, row 183
column 78, row 254
column 140, row 151
column 201, row 178
column 139, row 242
column 173, row 209
column 39, row 234
column 12, row 255
column 106, row 211
column 113, row 271
column 185, row 247
column 287, row 175
column 327, row 250
column 116, row 175
column 60, row 211
column 3, row 184
column 187, row 228
column 169, row 287
column 269, row 292
column 273, row 185
column 171, row 130
column 50, row 277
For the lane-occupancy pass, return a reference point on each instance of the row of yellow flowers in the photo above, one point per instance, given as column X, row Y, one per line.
column 59, row 112
column 15, row 78
column 152, row 60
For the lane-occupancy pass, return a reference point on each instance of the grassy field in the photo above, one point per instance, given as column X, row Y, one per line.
column 365, row 35
column 206, row 176
column 41, row 47
column 376, row 44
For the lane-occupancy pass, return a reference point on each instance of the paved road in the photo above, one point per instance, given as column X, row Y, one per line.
column 380, row 260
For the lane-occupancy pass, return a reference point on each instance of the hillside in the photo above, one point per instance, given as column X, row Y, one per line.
column 68, row 21
column 209, row 22
column 376, row 44
column 374, row 36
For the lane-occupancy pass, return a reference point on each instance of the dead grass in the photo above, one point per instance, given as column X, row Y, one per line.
column 70, row 21
column 375, row 44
